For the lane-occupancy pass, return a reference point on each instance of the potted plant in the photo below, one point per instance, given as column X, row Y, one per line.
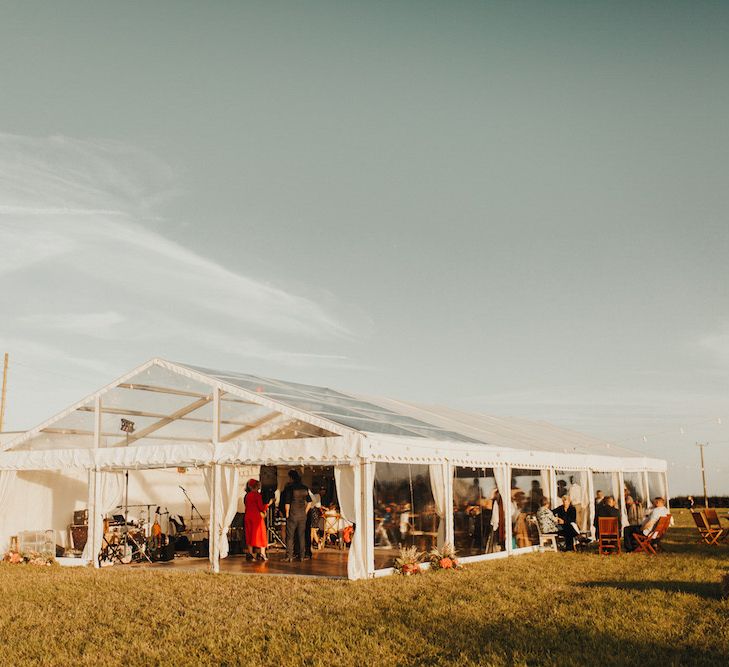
column 408, row 562
column 444, row 558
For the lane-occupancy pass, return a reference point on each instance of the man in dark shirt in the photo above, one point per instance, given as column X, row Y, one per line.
column 566, row 517
column 607, row 508
column 296, row 504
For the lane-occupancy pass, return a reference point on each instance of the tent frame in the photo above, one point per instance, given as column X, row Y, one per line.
column 248, row 444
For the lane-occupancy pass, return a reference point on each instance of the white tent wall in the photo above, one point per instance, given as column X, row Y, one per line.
column 43, row 500
column 161, row 487
column 450, row 505
column 443, row 502
column 623, row 508
column 368, row 507
column 591, row 504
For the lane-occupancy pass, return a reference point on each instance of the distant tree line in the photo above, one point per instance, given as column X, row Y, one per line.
column 714, row 501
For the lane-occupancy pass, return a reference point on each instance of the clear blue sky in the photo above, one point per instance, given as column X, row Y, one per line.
column 515, row 208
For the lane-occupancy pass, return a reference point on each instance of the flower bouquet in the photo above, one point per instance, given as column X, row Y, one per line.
column 443, row 558
column 15, row 557
column 408, row 562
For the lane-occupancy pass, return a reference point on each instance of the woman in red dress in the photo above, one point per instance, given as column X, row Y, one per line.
column 255, row 520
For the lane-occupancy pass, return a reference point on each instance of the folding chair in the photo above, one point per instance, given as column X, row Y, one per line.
column 331, row 530
column 706, row 533
column 609, row 540
column 712, row 518
column 649, row 544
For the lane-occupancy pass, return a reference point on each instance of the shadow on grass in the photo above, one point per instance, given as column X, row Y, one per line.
column 564, row 644
column 702, row 589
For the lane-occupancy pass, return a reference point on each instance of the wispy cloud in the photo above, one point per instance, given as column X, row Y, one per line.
column 717, row 343
column 81, row 261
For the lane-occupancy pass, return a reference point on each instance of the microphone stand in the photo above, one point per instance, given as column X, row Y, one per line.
column 192, row 507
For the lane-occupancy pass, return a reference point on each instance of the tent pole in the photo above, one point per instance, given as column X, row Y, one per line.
column 449, row 530
column 621, row 500
column 4, row 391
column 369, row 513
column 591, row 499
column 94, row 519
column 214, row 541
column 506, row 472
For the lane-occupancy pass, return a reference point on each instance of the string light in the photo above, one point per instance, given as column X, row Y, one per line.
column 682, row 430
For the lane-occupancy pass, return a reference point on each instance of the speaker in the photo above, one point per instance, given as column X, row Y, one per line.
column 167, row 552
column 199, row 549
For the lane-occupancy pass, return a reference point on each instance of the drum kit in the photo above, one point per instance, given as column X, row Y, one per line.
column 133, row 540
column 126, row 540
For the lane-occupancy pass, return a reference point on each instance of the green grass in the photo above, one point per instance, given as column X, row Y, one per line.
column 539, row 609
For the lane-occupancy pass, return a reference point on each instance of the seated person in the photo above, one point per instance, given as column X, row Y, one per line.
column 566, row 520
column 633, row 510
column 545, row 518
column 659, row 510
column 606, row 509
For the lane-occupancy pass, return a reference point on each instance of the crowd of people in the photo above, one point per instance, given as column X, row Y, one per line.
column 479, row 524
column 563, row 520
column 405, row 514
column 304, row 517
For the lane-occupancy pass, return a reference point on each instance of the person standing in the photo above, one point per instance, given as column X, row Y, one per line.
column 577, row 497
column 566, row 517
column 255, row 521
column 297, row 503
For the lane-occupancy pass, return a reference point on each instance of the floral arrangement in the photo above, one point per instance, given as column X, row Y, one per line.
column 15, row 557
column 408, row 562
column 444, row 558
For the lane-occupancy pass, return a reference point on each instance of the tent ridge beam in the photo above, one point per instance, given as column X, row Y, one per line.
column 249, row 427
column 169, row 419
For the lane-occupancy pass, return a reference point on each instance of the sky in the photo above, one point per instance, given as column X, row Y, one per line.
column 509, row 208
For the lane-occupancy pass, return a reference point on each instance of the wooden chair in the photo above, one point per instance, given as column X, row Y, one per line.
column 609, row 540
column 649, row 544
column 712, row 518
column 706, row 533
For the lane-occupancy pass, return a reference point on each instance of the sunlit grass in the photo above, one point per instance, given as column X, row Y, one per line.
column 537, row 609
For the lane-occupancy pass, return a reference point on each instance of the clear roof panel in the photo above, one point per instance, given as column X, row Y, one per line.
column 335, row 406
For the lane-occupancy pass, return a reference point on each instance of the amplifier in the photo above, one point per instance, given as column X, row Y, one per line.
column 168, row 551
column 81, row 518
column 79, row 535
column 199, row 549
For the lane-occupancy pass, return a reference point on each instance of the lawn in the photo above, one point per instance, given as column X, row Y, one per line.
column 538, row 609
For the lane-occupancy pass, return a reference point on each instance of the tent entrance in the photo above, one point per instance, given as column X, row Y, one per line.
column 161, row 519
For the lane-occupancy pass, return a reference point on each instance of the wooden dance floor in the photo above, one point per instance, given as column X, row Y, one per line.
column 325, row 563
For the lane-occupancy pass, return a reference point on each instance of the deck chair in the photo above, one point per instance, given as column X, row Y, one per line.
column 706, row 533
column 609, row 540
column 651, row 543
column 712, row 518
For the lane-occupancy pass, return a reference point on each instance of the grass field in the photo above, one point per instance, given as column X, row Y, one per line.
column 538, row 609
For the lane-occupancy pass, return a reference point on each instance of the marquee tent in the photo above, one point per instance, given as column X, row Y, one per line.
column 404, row 472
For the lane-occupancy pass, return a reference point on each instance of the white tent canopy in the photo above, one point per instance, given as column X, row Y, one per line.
column 201, row 418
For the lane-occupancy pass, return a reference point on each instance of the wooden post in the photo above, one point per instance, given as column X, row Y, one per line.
column 4, row 391
column 701, row 446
